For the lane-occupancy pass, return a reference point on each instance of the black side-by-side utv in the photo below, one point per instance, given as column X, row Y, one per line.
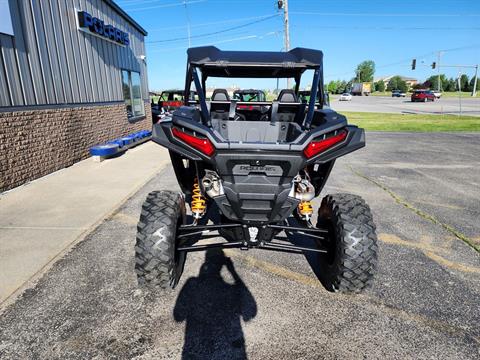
column 250, row 178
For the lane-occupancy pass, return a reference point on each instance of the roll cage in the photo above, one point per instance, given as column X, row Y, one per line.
column 213, row 62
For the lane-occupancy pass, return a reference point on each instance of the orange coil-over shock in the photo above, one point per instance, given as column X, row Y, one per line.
column 305, row 209
column 198, row 201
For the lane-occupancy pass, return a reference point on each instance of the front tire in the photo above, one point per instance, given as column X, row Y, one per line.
column 351, row 260
column 157, row 262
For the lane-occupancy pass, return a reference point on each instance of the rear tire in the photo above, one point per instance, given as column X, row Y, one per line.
column 157, row 263
column 351, row 260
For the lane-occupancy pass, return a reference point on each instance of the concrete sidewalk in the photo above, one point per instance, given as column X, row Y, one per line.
column 40, row 221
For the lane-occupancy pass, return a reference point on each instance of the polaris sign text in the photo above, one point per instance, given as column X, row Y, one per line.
column 95, row 26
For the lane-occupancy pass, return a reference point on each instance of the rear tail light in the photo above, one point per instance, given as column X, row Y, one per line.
column 203, row 145
column 317, row 146
column 245, row 107
column 173, row 103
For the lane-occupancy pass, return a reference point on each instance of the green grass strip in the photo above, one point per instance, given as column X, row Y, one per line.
column 413, row 122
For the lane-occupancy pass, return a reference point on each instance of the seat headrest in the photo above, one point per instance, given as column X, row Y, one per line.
column 287, row 96
column 220, row 95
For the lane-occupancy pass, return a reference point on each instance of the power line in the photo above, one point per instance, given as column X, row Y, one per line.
column 211, row 23
column 164, row 5
column 416, row 28
column 215, row 32
column 382, row 14
column 407, row 61
column 247, row 37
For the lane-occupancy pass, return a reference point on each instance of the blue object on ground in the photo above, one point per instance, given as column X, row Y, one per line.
column 104, row 150
column 127, row 140
column 139, row 135
column 131, row 137
column 122, row 144
column 119, row 142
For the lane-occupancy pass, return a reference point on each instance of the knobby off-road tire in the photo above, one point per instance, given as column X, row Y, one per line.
column 351, row 261
column 157, row 263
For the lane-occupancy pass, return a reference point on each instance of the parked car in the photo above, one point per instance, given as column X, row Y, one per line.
column 437, row 94
column 398, row 93
column 345, row 97
column 423, row 95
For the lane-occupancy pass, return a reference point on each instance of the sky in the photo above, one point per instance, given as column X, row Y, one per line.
column 391, row 33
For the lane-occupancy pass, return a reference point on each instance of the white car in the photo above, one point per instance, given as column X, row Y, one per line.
column 345, row 97
column 437, row 94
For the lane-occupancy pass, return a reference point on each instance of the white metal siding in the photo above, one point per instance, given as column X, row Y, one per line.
column 48, row 61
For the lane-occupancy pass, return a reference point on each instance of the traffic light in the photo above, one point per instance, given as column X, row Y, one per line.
column 434, row 65
column 414, row 64
column 280, row 4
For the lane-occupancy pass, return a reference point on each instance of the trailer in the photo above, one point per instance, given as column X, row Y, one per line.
column 362, row 88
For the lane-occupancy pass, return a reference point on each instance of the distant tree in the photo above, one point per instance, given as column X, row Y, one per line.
column 396, row 83
column 365, row 71
column 464, row 83
column 451, row 85
column 419, row 86
column 471, row 84
column 433, row 82
column 380, row 86
column 348, row 86
column 332, row 87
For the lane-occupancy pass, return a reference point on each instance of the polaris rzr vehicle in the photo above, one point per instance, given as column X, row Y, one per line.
column 253, row 110
column 249, row 95
column 169, row 101
column 252, row 180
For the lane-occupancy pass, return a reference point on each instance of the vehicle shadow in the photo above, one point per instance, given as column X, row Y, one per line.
column 313, row 258
column 212, row 308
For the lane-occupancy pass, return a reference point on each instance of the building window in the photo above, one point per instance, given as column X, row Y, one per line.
column 5, row 18
column 132, row 93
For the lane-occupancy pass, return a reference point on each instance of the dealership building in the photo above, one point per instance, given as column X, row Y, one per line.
column 72, row 75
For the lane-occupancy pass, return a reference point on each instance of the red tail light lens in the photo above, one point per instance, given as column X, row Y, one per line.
column 316, row 147
column 203, row 145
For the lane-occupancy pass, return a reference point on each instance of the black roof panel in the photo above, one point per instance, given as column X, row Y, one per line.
column 215, row 62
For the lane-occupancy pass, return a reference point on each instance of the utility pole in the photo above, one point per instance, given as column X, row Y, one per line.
column 460, row 91
column 474, row 90
column 286, row 31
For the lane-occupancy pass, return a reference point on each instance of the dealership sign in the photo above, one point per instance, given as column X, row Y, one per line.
column 97, row 27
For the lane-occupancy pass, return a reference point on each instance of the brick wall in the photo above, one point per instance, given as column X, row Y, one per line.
column 35, row 143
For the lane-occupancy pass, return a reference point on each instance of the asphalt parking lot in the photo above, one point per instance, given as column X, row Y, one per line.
column 384, row 104
column 424, row 191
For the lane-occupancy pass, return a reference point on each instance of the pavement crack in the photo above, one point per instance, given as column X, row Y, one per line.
column 399, row 200
column 378, row 303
